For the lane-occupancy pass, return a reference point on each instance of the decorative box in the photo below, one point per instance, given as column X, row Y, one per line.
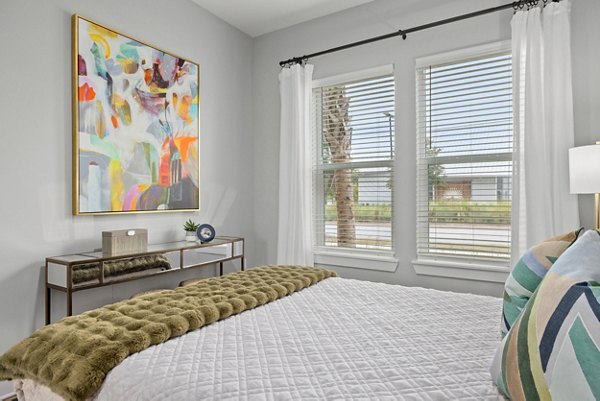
column 117, row 242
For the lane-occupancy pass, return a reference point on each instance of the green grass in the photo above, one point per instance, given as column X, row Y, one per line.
column 439, row 212
column 363, row 213
column 470, row 212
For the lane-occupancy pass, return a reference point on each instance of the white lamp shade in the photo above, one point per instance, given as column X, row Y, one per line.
column 584, row 169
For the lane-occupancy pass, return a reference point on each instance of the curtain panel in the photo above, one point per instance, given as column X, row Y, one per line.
column 544, row 125
column 295, row 240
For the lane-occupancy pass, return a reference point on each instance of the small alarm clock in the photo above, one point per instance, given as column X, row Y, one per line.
column 206, row 233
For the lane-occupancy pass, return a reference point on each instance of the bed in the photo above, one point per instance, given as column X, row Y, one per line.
column 337, row 339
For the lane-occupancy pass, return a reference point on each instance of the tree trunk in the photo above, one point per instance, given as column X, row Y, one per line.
column 337, row 132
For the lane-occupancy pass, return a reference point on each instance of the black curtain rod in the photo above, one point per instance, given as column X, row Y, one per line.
column 403, row 32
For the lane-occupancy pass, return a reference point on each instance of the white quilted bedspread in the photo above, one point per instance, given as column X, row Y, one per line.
column 338, row 340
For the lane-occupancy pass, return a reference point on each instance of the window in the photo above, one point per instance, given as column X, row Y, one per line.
column 353, row 125
column 464, row 156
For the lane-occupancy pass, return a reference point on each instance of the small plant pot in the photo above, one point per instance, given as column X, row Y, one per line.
column 191, row 236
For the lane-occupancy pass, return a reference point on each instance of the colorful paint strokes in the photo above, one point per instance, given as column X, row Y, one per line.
column 136, row 125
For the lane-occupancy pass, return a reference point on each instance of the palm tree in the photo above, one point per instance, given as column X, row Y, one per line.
column 337, row 135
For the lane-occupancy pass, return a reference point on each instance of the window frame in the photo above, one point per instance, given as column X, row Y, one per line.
column 461, row 267
column 369, row 259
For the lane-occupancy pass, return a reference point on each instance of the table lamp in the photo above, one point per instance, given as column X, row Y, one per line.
column 584, row 174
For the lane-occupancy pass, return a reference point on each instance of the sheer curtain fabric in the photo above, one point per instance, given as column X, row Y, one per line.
column 544, row 126
column 295, row 244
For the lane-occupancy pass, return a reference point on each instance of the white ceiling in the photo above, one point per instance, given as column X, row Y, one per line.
column 256, row 17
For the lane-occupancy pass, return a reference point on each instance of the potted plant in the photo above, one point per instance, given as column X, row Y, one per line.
column 190, row 230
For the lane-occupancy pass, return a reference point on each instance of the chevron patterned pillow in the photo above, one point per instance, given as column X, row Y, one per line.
column 552, row 352
column 528, row 273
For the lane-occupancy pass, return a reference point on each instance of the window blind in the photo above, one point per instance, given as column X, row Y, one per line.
column 464, row 158
column 353, row 123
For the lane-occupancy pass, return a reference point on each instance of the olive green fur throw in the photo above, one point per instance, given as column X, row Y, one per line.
column 73, row 356
column 91, row 271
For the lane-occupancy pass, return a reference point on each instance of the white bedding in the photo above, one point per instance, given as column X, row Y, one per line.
column 337, row 340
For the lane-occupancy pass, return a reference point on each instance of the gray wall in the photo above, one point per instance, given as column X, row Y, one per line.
column 239, row 128
column 586, row 85
column 35, row 212
column 378, row 18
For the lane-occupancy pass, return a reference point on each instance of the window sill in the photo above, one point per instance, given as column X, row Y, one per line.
column 464, row 270
column 356, row 259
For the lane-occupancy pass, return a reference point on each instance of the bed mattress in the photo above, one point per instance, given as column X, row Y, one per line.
column 340, row 339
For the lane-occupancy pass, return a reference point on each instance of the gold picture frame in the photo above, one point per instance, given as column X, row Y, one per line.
column 136, row 125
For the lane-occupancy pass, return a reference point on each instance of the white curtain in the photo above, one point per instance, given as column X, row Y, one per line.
column 544, row 126
column 294, row 244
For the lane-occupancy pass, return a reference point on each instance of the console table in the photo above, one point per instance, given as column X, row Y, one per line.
column 173, row 256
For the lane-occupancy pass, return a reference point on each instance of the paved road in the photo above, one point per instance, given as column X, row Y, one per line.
column 450, row 233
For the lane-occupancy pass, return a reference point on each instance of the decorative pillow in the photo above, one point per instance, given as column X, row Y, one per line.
column 552, row 352
column 528, row 273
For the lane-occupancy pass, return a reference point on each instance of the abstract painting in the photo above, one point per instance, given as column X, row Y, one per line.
column 135, row 125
